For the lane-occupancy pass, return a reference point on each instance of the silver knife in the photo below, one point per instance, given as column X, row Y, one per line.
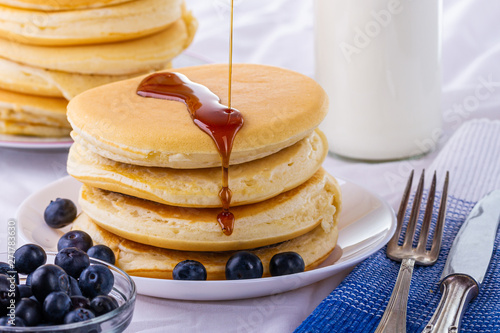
column 467, row 263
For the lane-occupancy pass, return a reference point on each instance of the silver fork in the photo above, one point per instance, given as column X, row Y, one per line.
column 394, row 318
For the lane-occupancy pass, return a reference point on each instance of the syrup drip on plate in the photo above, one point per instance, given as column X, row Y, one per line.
column 220, row 122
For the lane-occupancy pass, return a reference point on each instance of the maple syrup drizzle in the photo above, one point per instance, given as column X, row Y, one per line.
column 230, row 57
column 220, row 122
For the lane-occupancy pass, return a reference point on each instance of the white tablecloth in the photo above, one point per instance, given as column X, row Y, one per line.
column 280, row 32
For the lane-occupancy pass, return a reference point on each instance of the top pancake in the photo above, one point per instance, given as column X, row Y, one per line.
column 59, row 4
column 279, row 107
column 124, row 21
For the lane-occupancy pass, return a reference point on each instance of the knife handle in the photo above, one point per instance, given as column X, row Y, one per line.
column 458, row 290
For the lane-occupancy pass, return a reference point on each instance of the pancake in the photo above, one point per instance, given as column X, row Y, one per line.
column 34, row 105
column 120, row 22
column 43, row 82
column 148, row 261
column 280, row 108
column 277, row 219
column 32, row 129
column 122, row 58
column 32, row 115
column 25, row 79
column 50, row 5
column 250, row 182
column 22, row 116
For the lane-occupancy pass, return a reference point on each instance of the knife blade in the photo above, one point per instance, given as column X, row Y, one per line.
column 466, row 265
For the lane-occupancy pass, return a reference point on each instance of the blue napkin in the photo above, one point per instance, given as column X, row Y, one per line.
column 472, row 155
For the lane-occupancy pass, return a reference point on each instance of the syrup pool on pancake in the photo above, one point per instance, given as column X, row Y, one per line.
column 220, row 122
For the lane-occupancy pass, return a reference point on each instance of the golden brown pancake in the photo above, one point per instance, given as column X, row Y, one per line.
column 125, row 21
column 250, row 182
column 148, row 261
column 45, row 82
column 32, row 115
column 122, row 58
column 277, row 219
column 59, row 4
column 32, row 129
column 280, row 108
column 25, row 79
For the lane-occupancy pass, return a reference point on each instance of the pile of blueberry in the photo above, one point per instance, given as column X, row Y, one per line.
column 68, row 291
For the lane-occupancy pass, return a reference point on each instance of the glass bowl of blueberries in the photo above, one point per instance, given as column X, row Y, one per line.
column 76, row 290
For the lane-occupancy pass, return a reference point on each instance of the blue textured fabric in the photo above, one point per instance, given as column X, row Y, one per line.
column 358, row 304
column 472, row 156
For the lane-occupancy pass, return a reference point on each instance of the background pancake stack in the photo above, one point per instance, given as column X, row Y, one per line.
column 151, row 176
column 50, row 51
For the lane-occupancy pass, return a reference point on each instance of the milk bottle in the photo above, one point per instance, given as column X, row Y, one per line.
column 380, row 63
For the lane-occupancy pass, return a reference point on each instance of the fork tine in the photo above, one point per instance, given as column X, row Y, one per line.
column 401, row 213
column 415, row 209
column 436, row 242
column 424, row 232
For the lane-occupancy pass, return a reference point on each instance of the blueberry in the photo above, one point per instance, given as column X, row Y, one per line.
column 5, row 269
column 24, row 291
column 103, row 304
column 59, row 213
column 78, row 315
column 96, row 280
column 80, row 302
column 74, row 288
column 9, row 294
column 103, row 253
column 286, row 263
column 243, row 265
column 30, row 311
column 75, row 238
column 28, row 279
column 189, row 270
column 47, row 279
column 56, row 305
column 7, row 321
column 29, row 257
column 72, row 260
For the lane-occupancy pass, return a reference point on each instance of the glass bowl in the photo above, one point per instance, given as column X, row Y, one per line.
column 124, row 291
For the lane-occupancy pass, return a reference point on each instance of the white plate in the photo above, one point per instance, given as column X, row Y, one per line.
column 33, row 142
column 366, row 225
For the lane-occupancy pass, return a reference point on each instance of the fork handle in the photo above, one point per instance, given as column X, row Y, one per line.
column 458, row 290
column 394, row 318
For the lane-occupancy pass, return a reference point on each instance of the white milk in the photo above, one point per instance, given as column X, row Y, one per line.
column 380, row 63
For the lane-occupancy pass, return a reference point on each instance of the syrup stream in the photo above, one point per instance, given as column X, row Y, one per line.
column 220, row 122
column 230, row 56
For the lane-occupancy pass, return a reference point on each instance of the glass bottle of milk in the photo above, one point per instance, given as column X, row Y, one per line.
column 380, row 63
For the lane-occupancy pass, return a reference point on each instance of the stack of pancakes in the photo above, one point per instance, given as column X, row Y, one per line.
column 151, row 176
column 50, row 51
